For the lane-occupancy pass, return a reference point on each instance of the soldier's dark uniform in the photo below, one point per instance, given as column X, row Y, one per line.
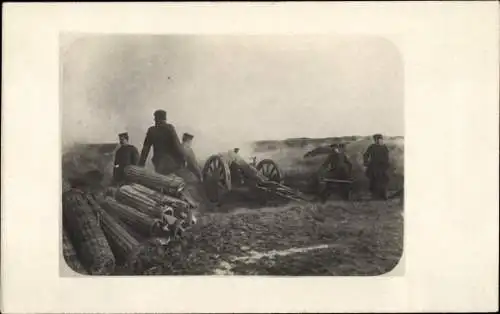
column 376, row 159
column 191, row 161
column 336, row 166
column 125, row 155
column 168, row 154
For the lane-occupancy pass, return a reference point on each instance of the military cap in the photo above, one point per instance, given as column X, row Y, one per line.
column 377, row 136
column 124, row 135
column 187, row 136
column 160, row 114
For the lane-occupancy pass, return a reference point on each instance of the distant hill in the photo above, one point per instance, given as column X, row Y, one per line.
column 305, row 142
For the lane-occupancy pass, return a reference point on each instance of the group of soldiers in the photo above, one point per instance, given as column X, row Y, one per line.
column 171, row 155
column 337, row 166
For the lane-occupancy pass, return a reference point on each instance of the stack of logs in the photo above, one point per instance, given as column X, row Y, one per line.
column 117, row 229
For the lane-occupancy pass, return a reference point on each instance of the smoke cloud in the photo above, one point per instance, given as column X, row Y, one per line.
column 229, row 90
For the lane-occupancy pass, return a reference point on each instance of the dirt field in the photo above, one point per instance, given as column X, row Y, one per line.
column 343, row 238
column 336, row 238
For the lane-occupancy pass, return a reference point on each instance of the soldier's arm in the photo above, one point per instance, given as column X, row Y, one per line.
column 193, row 164
column 116, row 157
column 145, row 149
column 328, row 160
column 135, row 156
column 348, row 162
column 387, row 158
column 367, row 155
column 179, row 150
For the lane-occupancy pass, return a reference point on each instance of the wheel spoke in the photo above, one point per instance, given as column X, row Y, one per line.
column 274, row 171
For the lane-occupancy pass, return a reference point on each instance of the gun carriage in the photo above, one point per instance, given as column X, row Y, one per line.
column 224, row 175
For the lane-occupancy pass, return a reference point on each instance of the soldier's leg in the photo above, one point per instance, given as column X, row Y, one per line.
column 384, row 181
column 325, row 189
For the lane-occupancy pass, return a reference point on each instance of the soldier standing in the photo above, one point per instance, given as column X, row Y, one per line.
column 376, row 161
column 336, row 166
column 125, row 155
column 168, row 153
column 191, row 161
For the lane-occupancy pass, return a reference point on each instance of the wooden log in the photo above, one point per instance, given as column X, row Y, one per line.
column 66, row 186
column 140, row 222
column 86, row 235
column 124, row 245
column 152, row 203
column 70, row 255
column 169, row 184
column 160, row 198
column 140, row 201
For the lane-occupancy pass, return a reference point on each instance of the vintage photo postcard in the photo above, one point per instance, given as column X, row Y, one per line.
column 191, row 155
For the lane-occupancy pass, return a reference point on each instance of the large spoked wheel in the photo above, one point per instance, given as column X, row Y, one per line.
column 216, row 178
column 270, row 170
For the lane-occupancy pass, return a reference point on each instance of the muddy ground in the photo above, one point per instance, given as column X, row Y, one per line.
column 336, row 238
column 361, row 237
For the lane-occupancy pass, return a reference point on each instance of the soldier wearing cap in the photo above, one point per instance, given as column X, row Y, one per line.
column 168, row 153
column 336, row 166
column 126, row 155
column 191, row 162
column 376, row 161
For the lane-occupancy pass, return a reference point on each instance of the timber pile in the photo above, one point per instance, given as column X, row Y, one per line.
column 126, row 230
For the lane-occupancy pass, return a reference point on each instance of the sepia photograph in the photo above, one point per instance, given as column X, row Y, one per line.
column 250, row 158
column 273, row 155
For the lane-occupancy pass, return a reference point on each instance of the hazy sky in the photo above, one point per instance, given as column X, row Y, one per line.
column 230, row 89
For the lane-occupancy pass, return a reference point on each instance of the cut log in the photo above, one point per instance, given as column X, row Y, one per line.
column 160, row 198
column 123, row 244
column 86, row 235
column 140, row 201
column 169, row 184
column 66, row 186
column 140, row 222
column 70, row 255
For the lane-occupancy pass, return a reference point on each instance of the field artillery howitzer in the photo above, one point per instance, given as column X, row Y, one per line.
column 227, row 173
column 314, row 182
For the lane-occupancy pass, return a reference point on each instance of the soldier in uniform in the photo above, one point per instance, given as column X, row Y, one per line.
column 191, row 161
column 376, row 161
column 336, row 166
column 126, row 155
column 168, row 153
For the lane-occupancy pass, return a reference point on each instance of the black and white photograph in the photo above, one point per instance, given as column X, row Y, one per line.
column 281, row 157
column 276, row 155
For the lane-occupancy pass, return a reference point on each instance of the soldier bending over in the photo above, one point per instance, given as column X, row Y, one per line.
column 336, row 166
column 191, row 161
column 168, row 153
